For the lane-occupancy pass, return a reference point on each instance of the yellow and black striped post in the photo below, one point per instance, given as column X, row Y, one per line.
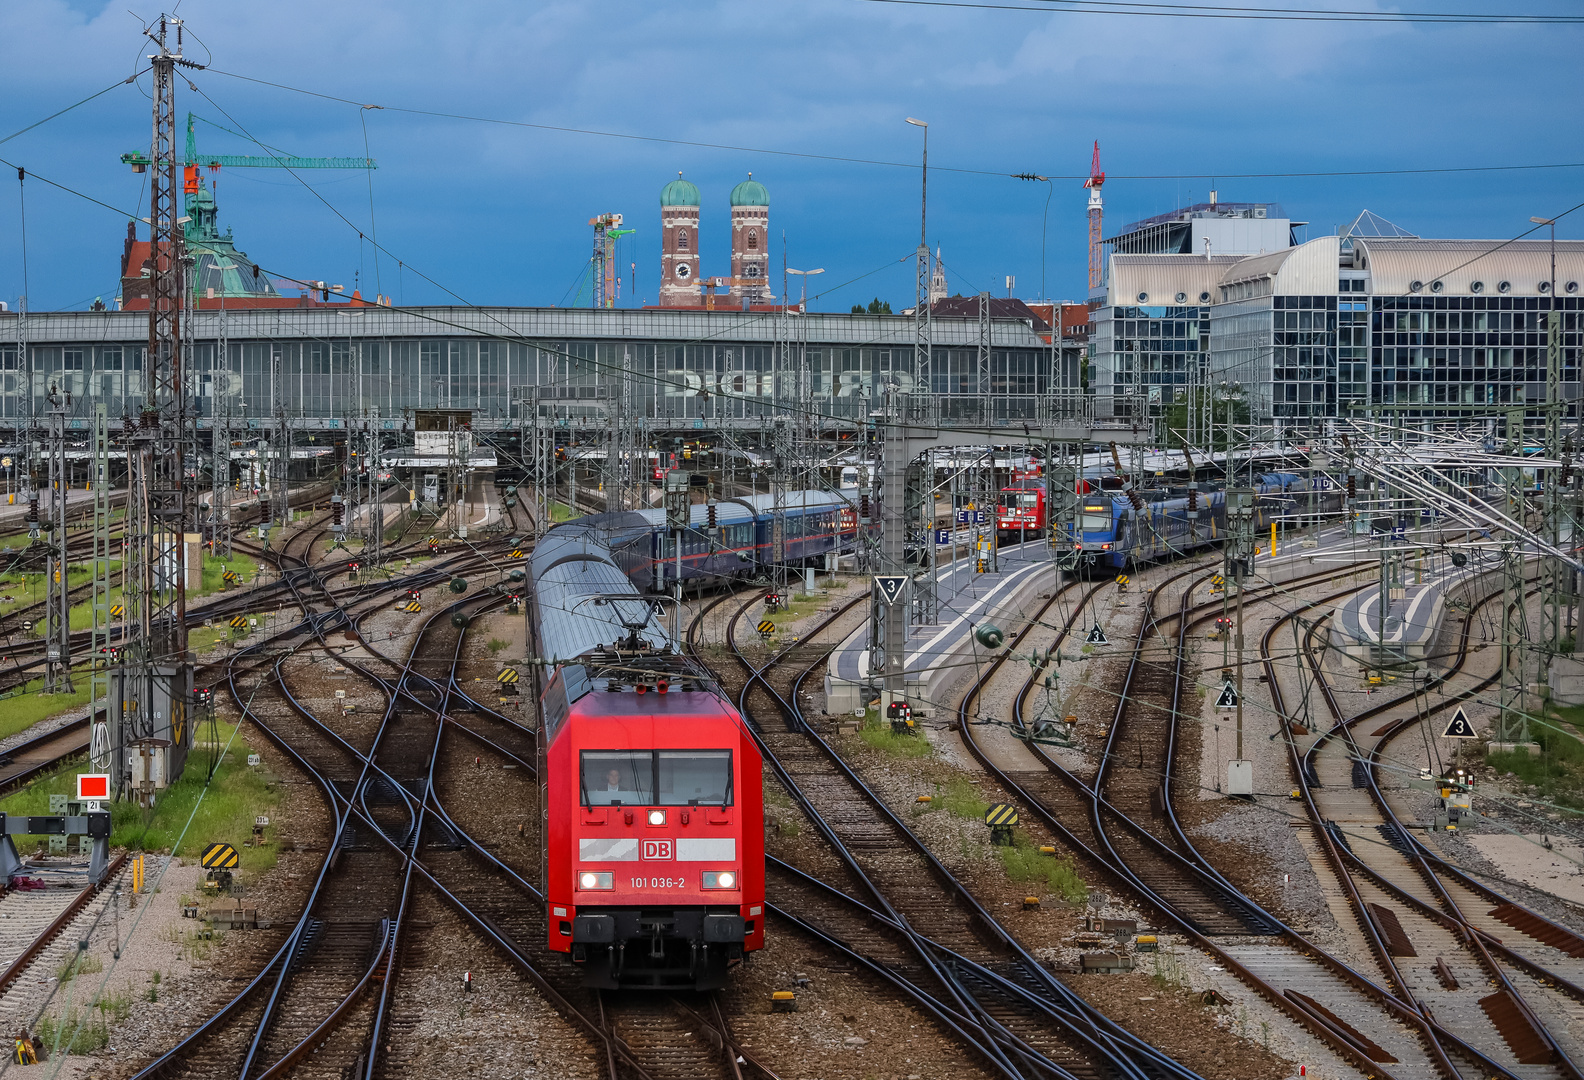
column 1001, row 818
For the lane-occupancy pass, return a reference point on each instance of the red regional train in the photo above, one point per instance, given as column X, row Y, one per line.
column 654, row 870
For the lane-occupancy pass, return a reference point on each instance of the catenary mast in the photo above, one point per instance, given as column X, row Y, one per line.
column 155, row 670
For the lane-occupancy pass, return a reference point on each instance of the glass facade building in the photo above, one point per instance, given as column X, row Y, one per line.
column 691, row 367
column 1323, row 329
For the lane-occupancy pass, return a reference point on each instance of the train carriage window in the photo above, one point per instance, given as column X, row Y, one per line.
column 694, row 778
column 618, row 778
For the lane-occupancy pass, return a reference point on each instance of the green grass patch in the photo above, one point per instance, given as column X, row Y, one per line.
column 496, row 645
column 876, row 733
column 961, row 799
column 23, row 590
column 1025, row 862
column 214, row 569
column 78, row 1033
column 201, row 639
column 1558, row 770
column 801, row 604
column 238, row 794
column 86, row 964
column 23, row 708
column 560, row 511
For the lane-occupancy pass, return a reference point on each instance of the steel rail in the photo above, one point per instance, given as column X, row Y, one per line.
column 1080, row 1023
column 59, row 923
column 338, row 806
column 1477, row 942
column 1414, row 1011
column 1336, row 1038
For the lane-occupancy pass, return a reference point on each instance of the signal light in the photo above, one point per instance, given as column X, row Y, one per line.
column 900, row 713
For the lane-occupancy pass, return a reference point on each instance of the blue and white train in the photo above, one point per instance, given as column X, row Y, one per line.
column 1111, row 534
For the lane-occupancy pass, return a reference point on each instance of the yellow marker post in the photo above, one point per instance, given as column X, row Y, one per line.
column 1273, row 539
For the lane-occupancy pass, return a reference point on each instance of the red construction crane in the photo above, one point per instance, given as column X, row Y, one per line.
column 1096, row 179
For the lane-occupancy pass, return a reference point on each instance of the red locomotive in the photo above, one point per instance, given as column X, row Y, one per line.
column 1022, row 510
column 654, row 828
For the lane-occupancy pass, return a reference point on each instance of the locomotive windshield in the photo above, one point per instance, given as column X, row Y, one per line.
column 1096, row 519
column 1021, row 498
column 618, row 778
column 657, row 778
column 694, row 776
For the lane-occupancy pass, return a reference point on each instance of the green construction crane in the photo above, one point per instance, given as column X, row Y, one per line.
column 140, row 161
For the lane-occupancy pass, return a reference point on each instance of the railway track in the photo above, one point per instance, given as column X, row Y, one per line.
column 328, row 994
column 1447, row 937
column 313, row 996
column 1312, row 986
column 939, row 945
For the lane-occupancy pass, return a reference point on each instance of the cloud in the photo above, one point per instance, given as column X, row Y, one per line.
column 499, row 213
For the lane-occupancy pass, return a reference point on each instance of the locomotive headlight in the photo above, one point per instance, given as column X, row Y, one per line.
column 594, row 881
column 657, row 817
column 720, row 879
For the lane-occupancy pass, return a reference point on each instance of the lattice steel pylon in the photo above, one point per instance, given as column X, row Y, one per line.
column 100, row 743
column 220, row 446
column 57, row 606
column 149, row 704
column 280, row 470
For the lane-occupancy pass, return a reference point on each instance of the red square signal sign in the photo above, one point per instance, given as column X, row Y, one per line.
column 93, row 786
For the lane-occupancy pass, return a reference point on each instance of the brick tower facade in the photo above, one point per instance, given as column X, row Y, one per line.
column 679, row 251
column 750, row 257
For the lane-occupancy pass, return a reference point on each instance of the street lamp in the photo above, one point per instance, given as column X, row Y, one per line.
column 1551, row 222
column 923, row 182
column 803, row 287
column 1050, row 189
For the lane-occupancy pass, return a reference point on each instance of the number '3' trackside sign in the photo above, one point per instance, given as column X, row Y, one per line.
column 890, row 586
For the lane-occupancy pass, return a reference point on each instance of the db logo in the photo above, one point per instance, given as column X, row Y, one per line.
column 657, row 849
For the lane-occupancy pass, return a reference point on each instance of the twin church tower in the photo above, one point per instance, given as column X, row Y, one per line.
column 683, row 283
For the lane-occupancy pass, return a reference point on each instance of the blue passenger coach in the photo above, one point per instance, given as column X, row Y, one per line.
column 739, row 545
column 1112, row 534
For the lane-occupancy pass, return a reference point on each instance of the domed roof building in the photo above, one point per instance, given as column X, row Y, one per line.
column 750, row 193
column 679, row 192
column 220, row 271
column 679, row 249
column 682, row 280
column 218, row 264
column 750, row 219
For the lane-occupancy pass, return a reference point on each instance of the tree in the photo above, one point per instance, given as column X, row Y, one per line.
column 1175, row 416
column 878, row 307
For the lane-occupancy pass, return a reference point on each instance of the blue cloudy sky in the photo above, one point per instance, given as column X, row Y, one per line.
column 497, row 214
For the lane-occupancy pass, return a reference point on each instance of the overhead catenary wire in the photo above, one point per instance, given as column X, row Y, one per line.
column 1224, row 174
column 1199, row 11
